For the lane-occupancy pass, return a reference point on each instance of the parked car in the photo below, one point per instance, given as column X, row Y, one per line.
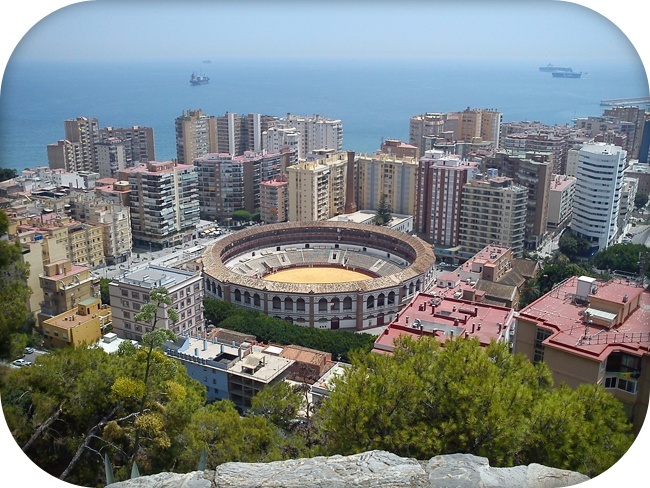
column 21, row 362
column 29, row 350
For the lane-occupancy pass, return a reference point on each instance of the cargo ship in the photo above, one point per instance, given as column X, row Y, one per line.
column 550, row 68
column 566, row 74
column 199, row 79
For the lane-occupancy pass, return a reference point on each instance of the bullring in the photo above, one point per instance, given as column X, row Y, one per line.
column 392, row 267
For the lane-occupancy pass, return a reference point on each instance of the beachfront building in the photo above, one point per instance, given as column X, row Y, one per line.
column 196, row 135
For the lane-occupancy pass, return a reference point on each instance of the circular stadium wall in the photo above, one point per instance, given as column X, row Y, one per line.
column 293, row 270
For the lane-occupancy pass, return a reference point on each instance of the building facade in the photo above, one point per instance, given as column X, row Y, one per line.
column 560, row 202
column 440, row 185
column 163, row 201
column 228, row 183
column 394, row 179
column 593, row 332
column 196, row 135
column 597, row 197
column 274, row 200
column 533, row 171
column 84, row 325
column 131, row 290
column 313, row 133
column 317, row 187
column 493, row 211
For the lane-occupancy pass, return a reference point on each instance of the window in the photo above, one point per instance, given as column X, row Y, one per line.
column 125, row 293
column 135, row 294
column 541, row 336
column 127, row 314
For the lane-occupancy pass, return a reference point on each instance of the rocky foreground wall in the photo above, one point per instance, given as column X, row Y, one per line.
column 365, row 470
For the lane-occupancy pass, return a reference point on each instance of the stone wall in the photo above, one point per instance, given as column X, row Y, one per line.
column 366, row 470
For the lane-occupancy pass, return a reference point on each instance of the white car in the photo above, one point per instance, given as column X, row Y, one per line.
column 21, row 362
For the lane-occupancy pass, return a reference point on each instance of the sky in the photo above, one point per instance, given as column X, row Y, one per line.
column 213, row 29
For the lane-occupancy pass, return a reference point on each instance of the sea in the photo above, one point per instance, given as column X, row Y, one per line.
column 373, row 98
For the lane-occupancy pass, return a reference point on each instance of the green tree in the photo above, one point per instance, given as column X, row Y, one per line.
column 74, row 404
column 14, row 294
column 279, row 404
column 228, row 437
column 241, row 216
column 640, row 200
column 105, row 290
column 383, row 212
column 158, row 308
column 621, row 257
column 427, row 400
column 7, row 174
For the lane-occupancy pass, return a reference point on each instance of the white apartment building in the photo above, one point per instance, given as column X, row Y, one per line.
column 315, row 132
column 274, row 139
column 597, row 198
column 131, row 290
column 111, row 157
column 628, row 194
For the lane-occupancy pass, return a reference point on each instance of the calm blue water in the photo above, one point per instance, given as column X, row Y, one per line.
column 373, row 99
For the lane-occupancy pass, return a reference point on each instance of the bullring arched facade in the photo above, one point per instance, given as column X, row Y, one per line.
column 399, row 266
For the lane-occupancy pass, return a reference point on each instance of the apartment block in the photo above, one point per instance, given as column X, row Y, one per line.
column 628, row 194
column 593, row 332
column 131, row 290
column 111, row 157
column 84, row 325
column 163, row 201
column 560, row 202
column 471, row 126
column 314, row 133
column 399, row 149
column 317, row 187
column 237, row 134
column 138, row 142
column 227, row 183
column 383, row 175
column 640, row 172
column 112, row 217
column 196, row 135
column 229, row 371
column 274, row 199
column 533, row 171
column 597, row 198
column 493, row 211
column 439, row 192
column 64, row 286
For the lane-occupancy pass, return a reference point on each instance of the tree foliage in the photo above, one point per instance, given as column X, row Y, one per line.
column 640, row 200
column 572, row 246
column 383, row 212
column 621, row 257
column 241, row 216
column 428, row 400
column 14, row 294
column 7, row 174
column 270, row 329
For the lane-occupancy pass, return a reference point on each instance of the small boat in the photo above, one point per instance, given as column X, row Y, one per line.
column 199, row 79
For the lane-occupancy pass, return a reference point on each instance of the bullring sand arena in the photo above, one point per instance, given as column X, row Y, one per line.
column 316, row 274
column 328, row 275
